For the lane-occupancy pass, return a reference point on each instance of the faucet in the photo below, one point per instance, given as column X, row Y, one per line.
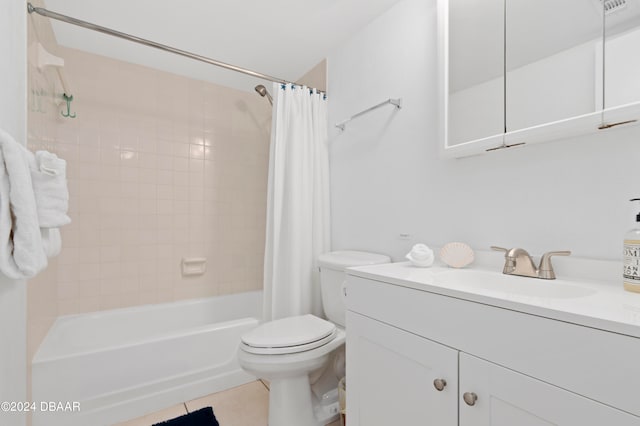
column 519, row 262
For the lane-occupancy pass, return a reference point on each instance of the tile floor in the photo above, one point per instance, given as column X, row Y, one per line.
column 246, row 405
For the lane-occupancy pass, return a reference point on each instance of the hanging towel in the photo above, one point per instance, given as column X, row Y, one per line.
column 51, row 241
column 21, row 251
column 48, row 174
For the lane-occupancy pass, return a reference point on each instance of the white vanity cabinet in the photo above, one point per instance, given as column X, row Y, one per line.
column 392, row 374
column 507, row 398
column 501, row 367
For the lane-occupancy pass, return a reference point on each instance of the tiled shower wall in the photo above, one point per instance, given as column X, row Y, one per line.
column 160, row 167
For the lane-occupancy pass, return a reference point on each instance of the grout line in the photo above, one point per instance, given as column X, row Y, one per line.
column 185, row 407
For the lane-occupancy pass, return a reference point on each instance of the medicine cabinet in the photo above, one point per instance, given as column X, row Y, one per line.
column 517, row 72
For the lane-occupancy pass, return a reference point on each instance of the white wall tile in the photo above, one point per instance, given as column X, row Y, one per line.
column 141, row 193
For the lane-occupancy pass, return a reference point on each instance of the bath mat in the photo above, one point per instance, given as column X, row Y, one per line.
column 202, row 417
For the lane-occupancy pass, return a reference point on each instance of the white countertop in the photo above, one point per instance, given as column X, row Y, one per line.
column 601, row 303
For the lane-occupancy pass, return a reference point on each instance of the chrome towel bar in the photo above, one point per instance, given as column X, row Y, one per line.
column 396, row 102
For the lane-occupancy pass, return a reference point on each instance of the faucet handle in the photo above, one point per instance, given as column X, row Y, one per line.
column 496, row 248
column 545, row 271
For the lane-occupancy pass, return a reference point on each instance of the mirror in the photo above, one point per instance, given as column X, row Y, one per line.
column 621, row 53
column 551, row 60
column 476, row 69
column 518, row 72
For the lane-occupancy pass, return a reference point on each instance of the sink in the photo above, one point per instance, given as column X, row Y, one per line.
column 511, row 284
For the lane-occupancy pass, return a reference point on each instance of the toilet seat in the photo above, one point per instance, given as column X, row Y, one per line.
column 289, row 335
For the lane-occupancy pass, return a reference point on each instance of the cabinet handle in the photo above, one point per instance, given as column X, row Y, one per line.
column 439, row 384
column 470, row 398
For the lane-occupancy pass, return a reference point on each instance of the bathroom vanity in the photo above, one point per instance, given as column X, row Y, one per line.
column 439, row 346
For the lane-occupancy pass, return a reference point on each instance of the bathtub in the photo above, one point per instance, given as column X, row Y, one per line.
column 125, row 363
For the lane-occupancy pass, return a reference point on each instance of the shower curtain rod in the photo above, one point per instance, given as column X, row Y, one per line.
column 109, row 31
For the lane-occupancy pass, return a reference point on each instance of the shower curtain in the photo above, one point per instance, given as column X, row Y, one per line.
column 298, row 203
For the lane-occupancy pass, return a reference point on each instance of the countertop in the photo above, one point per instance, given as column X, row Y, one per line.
column 603, row 303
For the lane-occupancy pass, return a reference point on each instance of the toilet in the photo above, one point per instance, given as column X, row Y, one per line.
column 303, row 356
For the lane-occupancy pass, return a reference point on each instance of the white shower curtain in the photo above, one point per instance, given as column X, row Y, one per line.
column 298, row 203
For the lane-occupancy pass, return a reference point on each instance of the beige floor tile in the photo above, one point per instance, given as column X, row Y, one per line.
column 160, row 416
column 246, row 405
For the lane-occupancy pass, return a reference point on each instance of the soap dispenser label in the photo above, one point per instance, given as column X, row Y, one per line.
column 632, row 261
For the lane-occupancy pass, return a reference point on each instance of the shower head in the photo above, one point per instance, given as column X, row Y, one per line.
column 262, row 91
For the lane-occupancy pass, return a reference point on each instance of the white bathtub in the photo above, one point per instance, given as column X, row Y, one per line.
column 125, row 363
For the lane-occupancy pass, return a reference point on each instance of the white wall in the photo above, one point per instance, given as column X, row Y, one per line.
column 387, row 178
column 13, row 329
column 13, row 43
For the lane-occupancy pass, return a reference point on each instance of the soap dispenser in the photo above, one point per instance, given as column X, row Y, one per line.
column 631, row 255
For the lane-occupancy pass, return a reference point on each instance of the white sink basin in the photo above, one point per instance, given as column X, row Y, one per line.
column 511, row 284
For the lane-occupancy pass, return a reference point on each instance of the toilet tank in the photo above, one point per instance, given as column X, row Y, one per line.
column 333, row 276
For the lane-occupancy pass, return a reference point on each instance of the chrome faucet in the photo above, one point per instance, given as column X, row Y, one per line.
column 519, row 262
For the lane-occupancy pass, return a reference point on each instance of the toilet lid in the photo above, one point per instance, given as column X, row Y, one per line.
column 289, row 335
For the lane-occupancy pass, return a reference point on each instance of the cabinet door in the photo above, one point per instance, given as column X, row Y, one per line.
column 621, row 62
column 390, row 377
column 475, row 70
column 507, row 398
column 550, row 47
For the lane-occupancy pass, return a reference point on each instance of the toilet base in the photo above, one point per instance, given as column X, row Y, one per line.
column 290, row 402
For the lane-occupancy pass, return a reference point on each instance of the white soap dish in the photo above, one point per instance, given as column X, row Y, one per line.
column 457, row 255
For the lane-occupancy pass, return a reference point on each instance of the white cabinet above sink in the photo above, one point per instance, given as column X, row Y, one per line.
column 519, row 72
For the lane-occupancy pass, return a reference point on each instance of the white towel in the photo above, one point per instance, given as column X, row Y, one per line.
column 51, row 241
column 21, row 251
column 48, row 175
